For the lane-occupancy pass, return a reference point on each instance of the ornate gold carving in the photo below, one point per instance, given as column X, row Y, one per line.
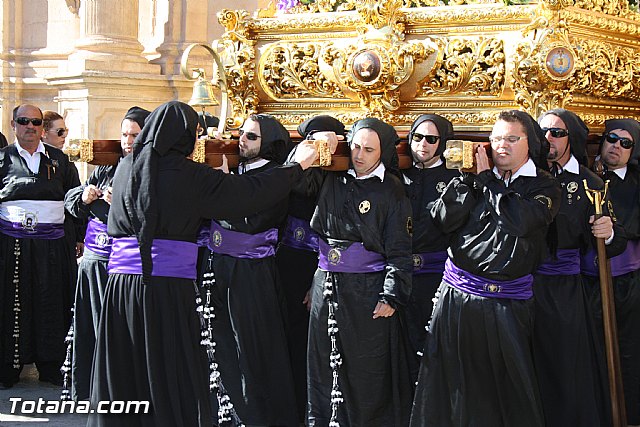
column 610, row 7
column 609, row 71
column 473, row 67
column 291, row 70
column 380, row 14
column 199, row 151
column 238, row 54
column 540, row 80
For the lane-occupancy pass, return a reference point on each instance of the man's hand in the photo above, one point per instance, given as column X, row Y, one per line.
column 307, row 300
column 383, row 310
column 602, row 228
column 90, row 194
column 106, row 196
column 306, row 154
column 331, row 138
column 482, row 161
column 224, row 167
column 79, row 249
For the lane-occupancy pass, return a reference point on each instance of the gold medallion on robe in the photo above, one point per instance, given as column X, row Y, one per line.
column 334, row 256
column 364, row 207
column 298, row 234
column 544, row 200
column 216, row 238
column 441, row 186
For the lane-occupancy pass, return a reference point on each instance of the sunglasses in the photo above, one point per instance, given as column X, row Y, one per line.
column 60, row 131
column 556, row 132
column 24, row 121
column 612, row 138
column 251, row 136
column 431, row 139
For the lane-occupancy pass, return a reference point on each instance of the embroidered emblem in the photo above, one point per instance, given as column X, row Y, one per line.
column 298, row 234
column 30, row 221
column 441, row 186
column 216, row 238
column 417, row 261
column 54, row 163
column 334, row 256
column 410, row 226
column 364, row 207
column 545, row 200
column 102, row 240
column 491, row 287
column 572, row 187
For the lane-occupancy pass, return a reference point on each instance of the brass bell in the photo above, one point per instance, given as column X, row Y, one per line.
column 202, row 95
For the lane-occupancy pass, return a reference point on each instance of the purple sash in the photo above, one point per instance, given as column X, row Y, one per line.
column 626, row 262
column 171, row 258
column 96, row 239
column 31, row 229
column 204, row 234
column 567, row 264
column 354, row 259
column 243, row 245
column 429, row 262
column 520, row 288
column 298, row 234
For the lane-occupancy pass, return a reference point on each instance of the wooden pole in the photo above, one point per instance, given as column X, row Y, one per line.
column 618, row 409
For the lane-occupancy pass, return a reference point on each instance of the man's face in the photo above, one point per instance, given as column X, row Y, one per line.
column 51, row 136
column 365, row 151
column 613, row 154
column 509, row 156
column 422, row 150
column 559, row 150
column 250, row 147
column 28, row 134
column 130, row 131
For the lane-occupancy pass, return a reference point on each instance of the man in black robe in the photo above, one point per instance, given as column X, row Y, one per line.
column 424, row 183
column 148, row 345
column 563, row 342
column 297, row 260
column 619, row 154
column 35, row 260
column 357, row 364
column 246, row 297
column 478, row 366
column 91, row 202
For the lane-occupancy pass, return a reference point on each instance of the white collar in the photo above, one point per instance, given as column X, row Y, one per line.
column 572, row 166
column 246, row 167
column 39, row 149
column 528, row 169
column 379, row 172
column 435, row 165
column 621, row 172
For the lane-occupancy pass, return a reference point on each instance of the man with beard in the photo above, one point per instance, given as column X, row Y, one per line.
column 424, row 183
column 148, row 346
column 35, row 258
column 297, row 260
column 358, row 370
column 478, row 366
column 246, row 297
column 619, row 154
column 563, row 342
column 91, row 201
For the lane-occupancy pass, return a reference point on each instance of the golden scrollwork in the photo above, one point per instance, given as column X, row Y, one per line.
column 291, row 70
column 610, row 7
column 238, row 54
column 469, row 66
column 609, row 71
column 380, row 14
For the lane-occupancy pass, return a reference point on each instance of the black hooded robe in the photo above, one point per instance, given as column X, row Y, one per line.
column 91, row 283
column 374, row 377
column 148, row 345
column 46, row 270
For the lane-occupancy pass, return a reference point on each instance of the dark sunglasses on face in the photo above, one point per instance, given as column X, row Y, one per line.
column 431, row 139
column 556, row 132
column 24, row 121
column 612, row 138
column 251, row 136
column 60, row 131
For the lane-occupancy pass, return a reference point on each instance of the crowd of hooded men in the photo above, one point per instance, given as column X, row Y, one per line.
column 281, row 294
